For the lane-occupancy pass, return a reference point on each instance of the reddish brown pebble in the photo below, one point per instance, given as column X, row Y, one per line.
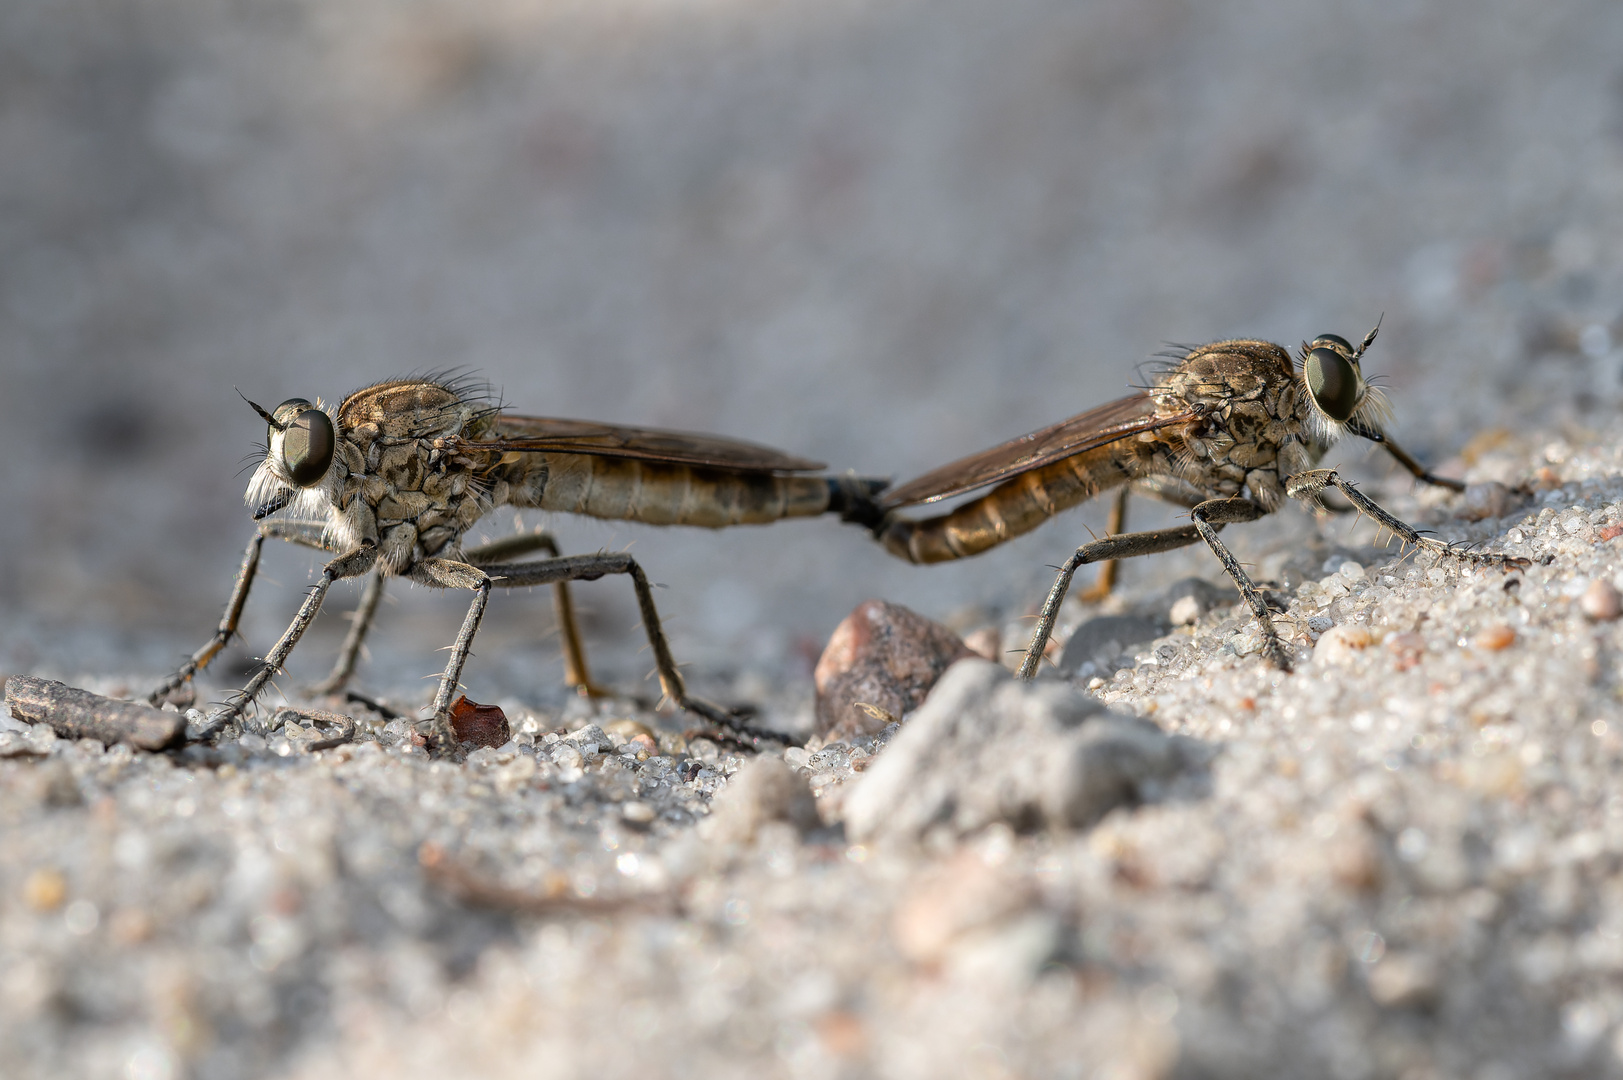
column 987, row 642
column 1494, row 638
column 481, row 725
column 885, row 656
column 1600, row 602
column 1610, row 532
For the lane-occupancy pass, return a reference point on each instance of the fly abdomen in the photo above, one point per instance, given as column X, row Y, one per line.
column 659, row 494
column 1011, row 509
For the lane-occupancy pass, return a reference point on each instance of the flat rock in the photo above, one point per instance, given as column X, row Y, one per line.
column 885, row 656
column 986, row 748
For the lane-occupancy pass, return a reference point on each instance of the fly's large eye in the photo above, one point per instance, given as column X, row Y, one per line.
column 308, row 442
column 287, row 410
column 1334, row 383
column 1334, row 340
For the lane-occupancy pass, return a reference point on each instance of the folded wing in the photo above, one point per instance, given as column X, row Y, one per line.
column 541, row 434
column 1087, row 431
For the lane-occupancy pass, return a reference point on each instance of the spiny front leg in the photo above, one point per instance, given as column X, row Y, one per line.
column 224, row 632
column 305, row 533
column 1307, row 485
column 352, row 564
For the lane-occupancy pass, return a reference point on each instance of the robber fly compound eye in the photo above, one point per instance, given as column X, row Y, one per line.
column 308, row 441
column 1334, row 382
column 1335, row 341
column 284, row 413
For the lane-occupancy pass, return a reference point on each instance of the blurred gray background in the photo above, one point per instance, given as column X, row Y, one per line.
column 882, row 234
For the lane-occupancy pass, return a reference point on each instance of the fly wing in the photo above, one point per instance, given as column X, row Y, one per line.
column 1087, row 431
column 540, row 434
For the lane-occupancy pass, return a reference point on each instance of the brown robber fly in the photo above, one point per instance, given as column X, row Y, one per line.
column 1229, row 431
column 392, row 479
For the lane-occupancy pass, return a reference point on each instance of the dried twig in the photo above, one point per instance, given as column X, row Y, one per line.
column 78, row 714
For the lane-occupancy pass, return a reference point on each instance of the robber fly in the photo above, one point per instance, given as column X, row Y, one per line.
column 392, row 479
column 1230, row 431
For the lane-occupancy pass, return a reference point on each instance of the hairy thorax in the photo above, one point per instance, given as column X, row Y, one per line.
column 399, row 487
column 1258, row 427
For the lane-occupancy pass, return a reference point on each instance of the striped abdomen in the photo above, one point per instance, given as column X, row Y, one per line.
column 660, row 494
column 1013, row 508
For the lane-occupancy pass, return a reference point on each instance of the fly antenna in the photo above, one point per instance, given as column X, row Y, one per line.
column 269, row 419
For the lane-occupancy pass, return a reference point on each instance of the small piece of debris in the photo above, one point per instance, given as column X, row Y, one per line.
column 481, row 725
column 1493, row 638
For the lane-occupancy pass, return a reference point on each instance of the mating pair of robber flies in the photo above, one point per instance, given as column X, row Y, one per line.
column 390, row 481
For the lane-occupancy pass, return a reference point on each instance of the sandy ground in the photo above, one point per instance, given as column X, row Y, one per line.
column 885, row 235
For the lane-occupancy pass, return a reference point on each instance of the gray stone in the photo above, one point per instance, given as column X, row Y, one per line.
column 1107, row 637
column 986, row 748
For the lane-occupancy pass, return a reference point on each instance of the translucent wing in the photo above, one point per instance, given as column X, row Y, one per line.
column 1090, row 430
column 540, row 434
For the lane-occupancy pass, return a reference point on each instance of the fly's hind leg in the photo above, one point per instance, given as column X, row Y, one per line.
column 577, row 676
column 310, row 536
column 592, row 567
column 1208, row 517
column 1106, row 580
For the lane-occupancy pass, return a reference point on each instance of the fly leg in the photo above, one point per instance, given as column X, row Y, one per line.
column 1208, row 517
column 450, row 574
column 292, row 531
column 1307, row 485
column 576, row 674
column 592, row 567
column 1125, row 546
column 1211, row 516
column 360, row 622
column 351, row 564
column 1404, row 458
column 1106, row 580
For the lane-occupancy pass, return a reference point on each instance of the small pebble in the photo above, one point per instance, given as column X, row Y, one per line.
column 45, row 889
column 1494, row 638
column 885, row 656
column 1185, row 611
column 1601, row 602
column 1340, row 644
column 1483, row 501
column 986, row 642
